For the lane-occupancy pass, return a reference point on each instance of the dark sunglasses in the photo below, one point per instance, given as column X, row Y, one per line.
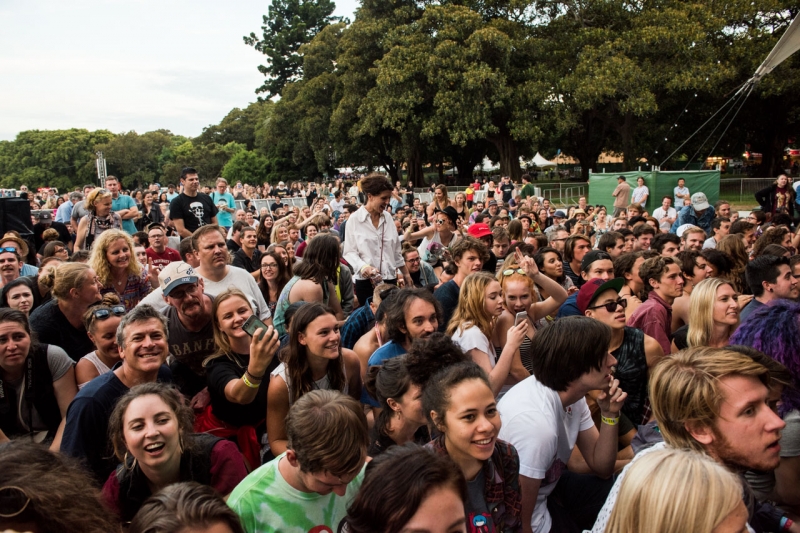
column 104, row 313
column 612, row 306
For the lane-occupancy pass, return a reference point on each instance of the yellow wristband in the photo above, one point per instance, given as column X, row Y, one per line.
column 609, row 421
column 250, row 383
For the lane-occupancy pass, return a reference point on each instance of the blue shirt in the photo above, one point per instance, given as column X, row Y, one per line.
column 688, row 215
column 390, row 350
column 569, row 307
column 358, row 323
column 64, row 212
column 124, row 202
column 224, row 218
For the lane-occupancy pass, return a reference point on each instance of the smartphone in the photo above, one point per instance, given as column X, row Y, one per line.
column 520, row 317
column 252, row 324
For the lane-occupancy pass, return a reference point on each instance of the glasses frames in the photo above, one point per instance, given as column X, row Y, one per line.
column 10, row 249
column 612, row 306
column 105, row 312
column 513, row 271
column 13, row 501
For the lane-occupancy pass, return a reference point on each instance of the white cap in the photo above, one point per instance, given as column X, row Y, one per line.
column 175, row 274
column 699, row 201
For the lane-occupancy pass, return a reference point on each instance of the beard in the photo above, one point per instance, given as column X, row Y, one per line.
column 739, row 460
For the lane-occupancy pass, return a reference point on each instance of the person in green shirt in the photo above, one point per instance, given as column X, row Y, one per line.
column 309, row 487
column 527, row 187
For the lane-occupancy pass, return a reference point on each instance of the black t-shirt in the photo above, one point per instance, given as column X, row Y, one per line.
column 310, row 197
column 188, row 350
column 52, row 327
column 221, row 371
column 232, row 246
column 241, row 260
column 447, row 295
column 508, row 191
column 61, row 228
column 680, row 337
column 195, row 211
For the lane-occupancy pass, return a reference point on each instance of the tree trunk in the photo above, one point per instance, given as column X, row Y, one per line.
column 414, row 166
column 509, row 156
column 629, row 159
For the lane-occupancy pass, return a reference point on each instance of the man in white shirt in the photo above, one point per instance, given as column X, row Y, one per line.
column 681, row 193
column 217, row 274
column 546, row 415
column 721, row 226
column 665, row 214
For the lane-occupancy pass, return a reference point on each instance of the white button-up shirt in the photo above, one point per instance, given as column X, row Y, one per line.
column 362, row 244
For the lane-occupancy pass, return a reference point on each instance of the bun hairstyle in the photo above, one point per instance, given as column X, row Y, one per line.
column 64, row 278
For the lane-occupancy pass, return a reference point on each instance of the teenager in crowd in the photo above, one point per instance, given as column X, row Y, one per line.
column 427, row 493
column 308, row 487
column 770, row 278
column 473, row 328
column 151, row 432
column 695, row 269
column 460, row 404
column 59, row 322
column 314, row 360
column 468, row 255
column 274, row 275
column 401, row 418
column 673, row 491
column 549, row 261
column 713, row 316
column 663, row 282
column 238, row 376
column 182, row 507
column 567, row 367
column 18, row 294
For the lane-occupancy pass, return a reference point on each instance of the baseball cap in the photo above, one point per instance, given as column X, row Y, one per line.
column 699, row 201
column 559, row 214
column 479, row 230
column 492, row 202
column 44, row 215
column 591, row 257
column 595, row 287
column 175, row 274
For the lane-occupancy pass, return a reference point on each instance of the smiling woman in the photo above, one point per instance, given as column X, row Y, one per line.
column 118, row 269
column 151, row 431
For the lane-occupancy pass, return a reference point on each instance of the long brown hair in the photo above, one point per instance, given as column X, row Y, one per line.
column 284, row 275
column 295, row 356
column 221, row 340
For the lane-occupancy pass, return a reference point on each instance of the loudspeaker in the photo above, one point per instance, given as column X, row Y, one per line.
column 15, row 214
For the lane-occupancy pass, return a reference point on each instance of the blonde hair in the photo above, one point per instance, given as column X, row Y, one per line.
column 64, row 278
column 95, row 196
column 99, row 261
column 471, row 309
column 273, row 237
column 701, row 311
column 685, row 389
column 221, row 340
column 674, row 491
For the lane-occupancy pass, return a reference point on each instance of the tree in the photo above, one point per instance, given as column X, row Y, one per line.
column 239, row 125
column 289, row 25
column 246, row 166
column 57, row 158
column 134, row 158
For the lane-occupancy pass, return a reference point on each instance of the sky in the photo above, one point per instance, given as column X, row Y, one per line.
column 128, row 65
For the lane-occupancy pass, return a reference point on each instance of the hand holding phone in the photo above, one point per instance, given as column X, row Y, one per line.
column 520, row 318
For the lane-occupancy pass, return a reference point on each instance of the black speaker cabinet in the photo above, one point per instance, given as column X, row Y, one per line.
column 15, row 214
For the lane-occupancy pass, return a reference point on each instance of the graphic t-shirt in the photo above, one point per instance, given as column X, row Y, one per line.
column 508, row 191
column 161, row 260
column 266, row 503
column 479, row 519
column 195, row 211
column 224, row 218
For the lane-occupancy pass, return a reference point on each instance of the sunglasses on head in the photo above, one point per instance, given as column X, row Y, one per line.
column 612, row 306
column 8, row 249
column 105, row 312
column 13, row 501
column 513, row 271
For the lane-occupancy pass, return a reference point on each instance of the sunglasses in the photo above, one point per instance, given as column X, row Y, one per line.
column 513, row 271
column 8, row 249
column 13, row 501
column 104, row 313
column 612, row 306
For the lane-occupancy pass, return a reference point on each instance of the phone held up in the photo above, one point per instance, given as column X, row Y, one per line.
column 252, row 324
column 520, row 317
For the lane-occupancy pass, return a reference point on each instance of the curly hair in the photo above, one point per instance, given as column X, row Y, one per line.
column 99, row 261
column 62, row 495
column 771, row 235
column 428, row 356
column 775, row 330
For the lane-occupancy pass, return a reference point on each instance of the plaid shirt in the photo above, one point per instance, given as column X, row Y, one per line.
column 358, row 323
column 502, row 492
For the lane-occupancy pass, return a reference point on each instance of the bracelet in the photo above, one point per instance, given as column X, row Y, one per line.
column 609, row 421
column 254, row 378
column 249, row 383
column 786, row 523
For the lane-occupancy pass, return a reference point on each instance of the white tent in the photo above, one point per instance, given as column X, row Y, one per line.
column 787, row 45
column 541, row 162
column 487, row 166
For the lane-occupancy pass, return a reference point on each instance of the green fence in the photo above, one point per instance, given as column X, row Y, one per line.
column 660, row 183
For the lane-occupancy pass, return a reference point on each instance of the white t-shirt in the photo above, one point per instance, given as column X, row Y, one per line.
column 237, row 277
column 544, row 434
column 659, row 213
column 473, row 338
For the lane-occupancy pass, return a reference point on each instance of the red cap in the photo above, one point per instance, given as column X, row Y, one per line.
column 479, row 230
column 594, row 287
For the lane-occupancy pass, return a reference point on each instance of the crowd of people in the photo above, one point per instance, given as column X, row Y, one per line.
column 374, row 363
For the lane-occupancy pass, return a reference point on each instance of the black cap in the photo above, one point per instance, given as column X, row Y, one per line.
column 591, row 257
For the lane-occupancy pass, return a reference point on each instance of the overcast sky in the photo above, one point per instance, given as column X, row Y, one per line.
column 128, row 64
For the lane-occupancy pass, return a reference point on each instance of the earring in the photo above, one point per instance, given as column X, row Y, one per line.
column 125, row 462
column 180, row 444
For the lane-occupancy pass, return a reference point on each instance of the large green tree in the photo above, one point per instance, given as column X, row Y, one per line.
column 239, row 125
column 135, row 159
column 288, row 25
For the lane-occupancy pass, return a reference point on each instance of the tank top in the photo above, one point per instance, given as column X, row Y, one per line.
column 525, row 354
column 98, row 225
column 632, row 373
column 324, row 383
column 101, row 367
